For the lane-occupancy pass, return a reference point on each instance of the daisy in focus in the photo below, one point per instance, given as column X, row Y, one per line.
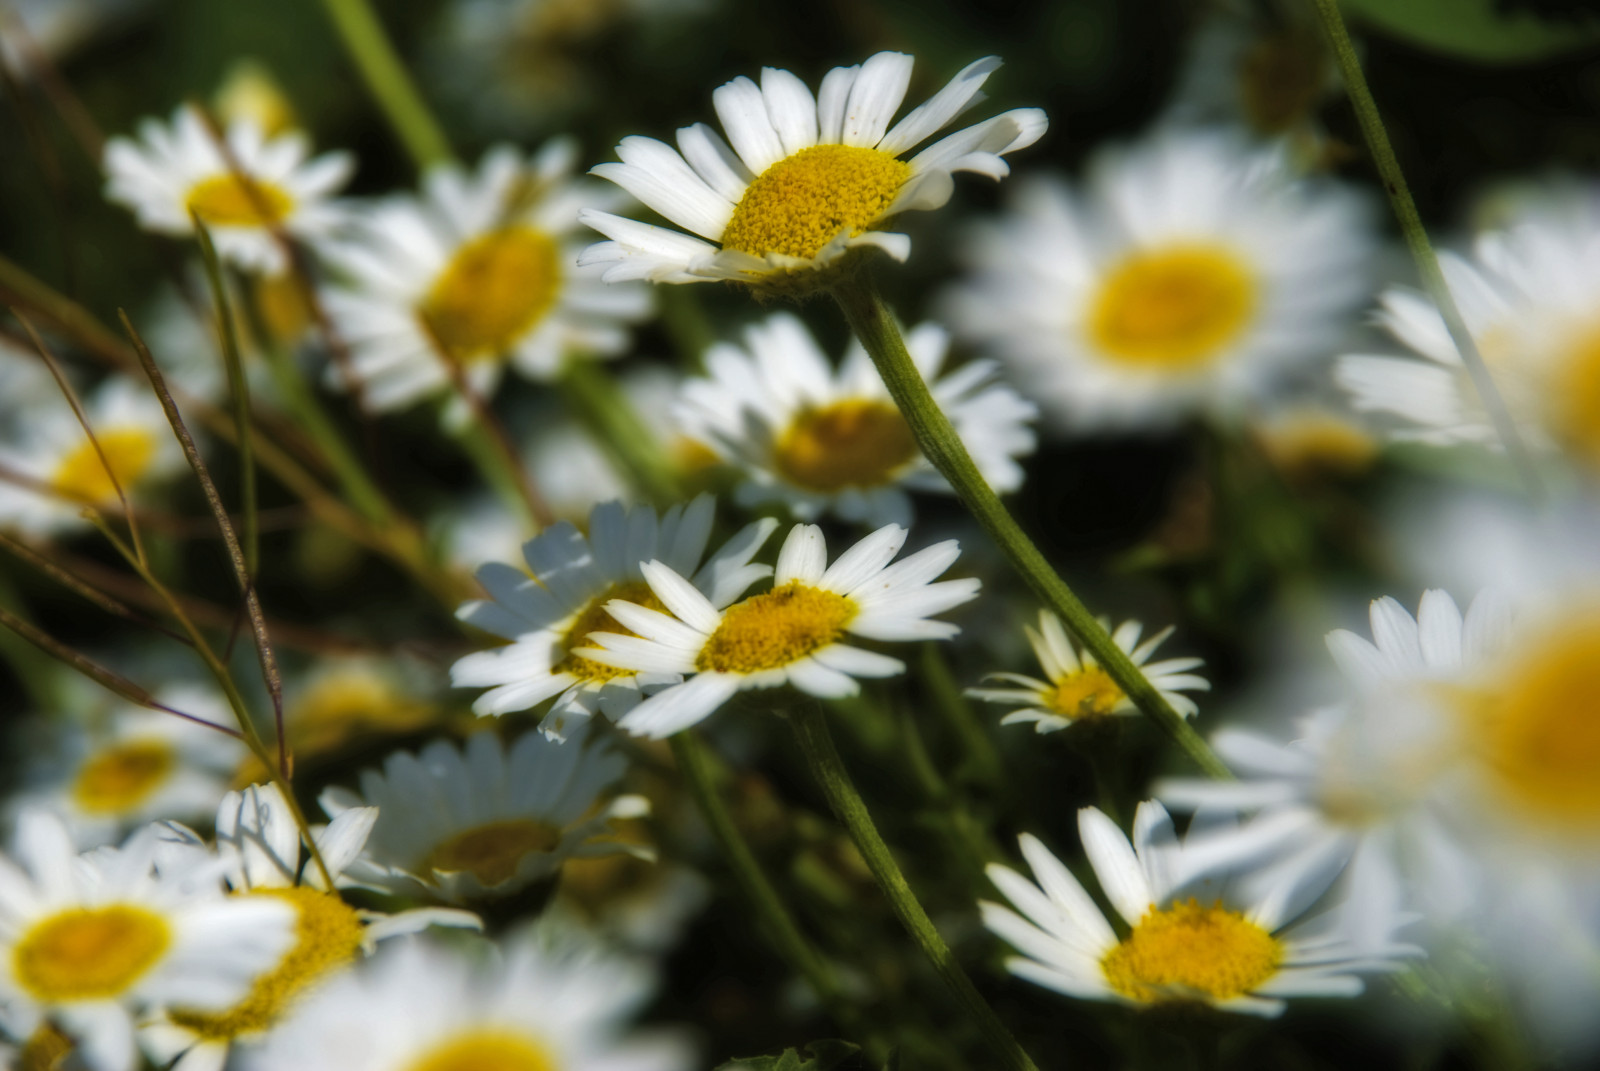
column 136, row 766
column 420, row 1006
column 1528, row 298
column 1231, row 942
column 477, row 272
column 178, row 168
column 793, row 634
column 481, row 821
column 94, row 941
column 549, row 615
column 67, row 471
column 1078, row 689
column 820, row 441
column 807, row 179
column 1193, row 273
column 258, row 845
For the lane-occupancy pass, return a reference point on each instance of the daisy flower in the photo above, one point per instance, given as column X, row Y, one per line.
column 549, row 616
column 479, row 821
column 816, row 440
column 807, row 178
column 1230, row 942
column 258, row 845
column 1528, row 298
column 478, row 271
column 136, row 766
column 52, row 450
column 535, row 1007
column 92, row 941
column 792, row 634
column 1077, row 688
column 1194, row 272
column 177, row 168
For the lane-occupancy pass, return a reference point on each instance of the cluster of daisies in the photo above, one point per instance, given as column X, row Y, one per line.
column 166, row 899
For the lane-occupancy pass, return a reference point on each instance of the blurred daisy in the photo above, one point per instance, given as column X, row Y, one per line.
column 66, row 471
column 92, row 941
column 177, row 168
column 136, row 766
column 1528, row 298
column 816, row 440
column 258, row 844
column 477, row 271
column 1232, row 945
column 1194, row 272
column 549, row 616
column 478, row 821
column 629, row 900
column 807, row 178
column 1078, row 689
column 420, row 1005
column 792, row 634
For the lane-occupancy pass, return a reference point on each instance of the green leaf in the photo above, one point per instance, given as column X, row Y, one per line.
column 828, row 1054
column 1474, row 30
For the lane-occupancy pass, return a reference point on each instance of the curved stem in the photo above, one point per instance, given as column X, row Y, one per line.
column 874, row 325
column 386, row 78
column 695, row 763
column 816, row 742
column 1405, row 210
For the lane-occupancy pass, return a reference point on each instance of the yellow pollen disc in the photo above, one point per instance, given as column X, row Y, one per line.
column 122, row 777
column 328, row 935
column 1575, row 398
column 804, row 201
column 851, row 443
column 491, row 852
column 47, row 1049
column 1173, row 309
column 1542, row 729
column 594, row 618
column 1088, row 693
column 89, row 953
column 282, row 305
column 487, row 1050
column 232, row 201
column 494, row 289
column 775, row 628
column 82, row 475
column 1188, row 952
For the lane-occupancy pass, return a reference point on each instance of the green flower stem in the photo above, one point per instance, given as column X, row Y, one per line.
column 874, row 325
column 616, row 424
column 695, row 764
column 386, row 78
column 239, row 388
column 816, row 742
column 1405, row 209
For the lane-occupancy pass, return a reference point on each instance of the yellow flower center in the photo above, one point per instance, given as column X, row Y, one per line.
column 82, row 475
column 1576, row 397
column 594, row 618
column 491, row 852
column 282, row 305
column 122, row 777
column 328, row 934
column 775, row 628
column 47, row 1049
column 1088, row 693
column 804, row 201
column 1173, row 309
column 1186, row 952
column 1542, row 729
column 850, row 443
column 94, row 953
column 233, row 201
column 487, row 1050
column 494, row 290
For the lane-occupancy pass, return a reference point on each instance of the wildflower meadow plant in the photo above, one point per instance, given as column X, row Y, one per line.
column 431, row 639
